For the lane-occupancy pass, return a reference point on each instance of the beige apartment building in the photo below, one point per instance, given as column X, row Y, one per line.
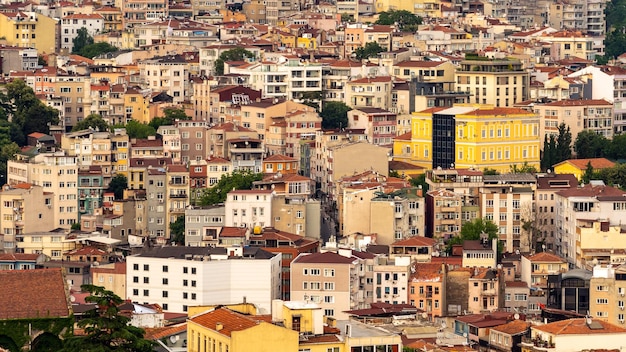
column 486, row 291
column 391, row 280
column 446, row 219
column 217, row 137
column 579, row 115
column 177, row 192
column 57, row 174
column 500, row 83
column 193, row 139
column 259, row 116
column 545, row 206
column 338, row 158
column 505, row 200
column 111, row 276
column 73, row 90
column 90, row 148
column 536, row 268
column 25, row 208
column 328, row 279
column 372, row 92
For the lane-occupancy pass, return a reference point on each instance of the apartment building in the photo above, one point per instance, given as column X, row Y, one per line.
column 606, row 294
column 217, row 138
column 71, row 24
column 167, row 74
column 545, row 206
column 90, row 148
column 391, row 280
column 337, row 73
column 508, row 200
column 57, row 174
column 25, row 208
column 589, row 202
column 180, row 277
column 369, row 92
column 193, row 136
column 136, row 12
column 170, row 135
column 29, row 30
column 336, row 156
column 73, row 90
column 427, row 287
column 288, row 78
column 467, row 136
column 485, row 289
column 500, row 83
column 177, row 189
column 597, row 242
column 203, row 225
column 446, row 209
column 90, row 190
column 328, row 279
column 579, row 115
column 156, row 188
column 249, row 208
column 216, row 168
column 379, row 125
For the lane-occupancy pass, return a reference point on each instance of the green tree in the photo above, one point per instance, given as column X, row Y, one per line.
column 371, row 49
column 136, row 129
column 312, row 99
column 420, row 181
column 334, row 114
column 488, row 171
column 588, row 175
column 563, row 144
column 405, row 20
column 27, row 111
column 525, row 168
column 117, row 185
column 95, row 49
column 177, row 231
column 170, row 115
column 617, row 147
column 7, row 152
column 614, row 176
column 347, row 17
column 105, row 328
column 81, row 40
column 236, row 54
column 94, row 121
column 472, row 230
column 235, row 180
column 589, row 144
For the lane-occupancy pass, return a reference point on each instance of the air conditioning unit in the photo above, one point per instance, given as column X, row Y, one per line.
column 621, row 294
column 621, row 307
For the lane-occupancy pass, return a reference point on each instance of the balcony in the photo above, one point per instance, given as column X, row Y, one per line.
column 178, row 195
column 538, row 344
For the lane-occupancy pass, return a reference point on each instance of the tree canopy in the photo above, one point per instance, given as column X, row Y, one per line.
column 615, row 40
column 177, row 231
column 94, row 121
column 525, row 168
column 26, row 110
column 236, row 54
column 557, row 149
column 406, row 20
column 471, row 231
column 117, row 185
column 136, row 129
column 95, row 49
column 589, row 144
column 170, row 115
column 81, row 40
column 228, row 182
column 334, row 114
column 105, row 328
column 371, row 49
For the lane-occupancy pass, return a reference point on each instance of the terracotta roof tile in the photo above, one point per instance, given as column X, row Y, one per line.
column 579, row 327
column 545, row 257
column 596, row 163
column 514, row 327
column 231, row 321
column 44, row 295
column 321, row 258
column 415, row 241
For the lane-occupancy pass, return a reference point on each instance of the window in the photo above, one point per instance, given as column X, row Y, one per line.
column 329, row 272
column 165, row 268
column 165, row 281
column 521, row 297
column 602, row 301
column 329, row 312
column 329, row 286
column 146, row 293
column 164, row 294
column 135, row 266
column 146, row 267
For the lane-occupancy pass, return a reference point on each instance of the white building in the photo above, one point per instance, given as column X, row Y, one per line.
column 592, row 202
column 167, row 74
column 70, row 25
column 288, row 78
column 249, row 208
column 179, row 277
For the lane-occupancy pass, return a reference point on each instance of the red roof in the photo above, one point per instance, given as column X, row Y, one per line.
column 34, row 294
column 415, row 241
column 579, row 327
column 596, row 163
column 230, row 321
column 321, row 258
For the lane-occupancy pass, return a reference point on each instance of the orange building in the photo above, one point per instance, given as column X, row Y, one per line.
column 280, row 163
column 427, row 288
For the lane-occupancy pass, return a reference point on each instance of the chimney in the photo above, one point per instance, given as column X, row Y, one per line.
column 219, row 326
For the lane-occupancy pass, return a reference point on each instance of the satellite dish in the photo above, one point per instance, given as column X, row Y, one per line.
column 72, row 298
column 174, row 338
column 435, row 253
column 425, row 315
column 443, row 325
column 589, row 320
column 516, row 316
column 438, row 341
column 464, row 334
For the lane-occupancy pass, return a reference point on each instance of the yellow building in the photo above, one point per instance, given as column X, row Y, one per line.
column 225, row 330
column 29, row 30
column 472, row 136
column 577, row 167
column 120, row 151
column 424, row 8
column 136, row 105
column 111, row 276
column 124, row 40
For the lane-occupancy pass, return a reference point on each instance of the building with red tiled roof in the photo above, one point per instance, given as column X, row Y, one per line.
column 575, row 334
column 35, row 294
column 506, row 336
column 577, row 167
